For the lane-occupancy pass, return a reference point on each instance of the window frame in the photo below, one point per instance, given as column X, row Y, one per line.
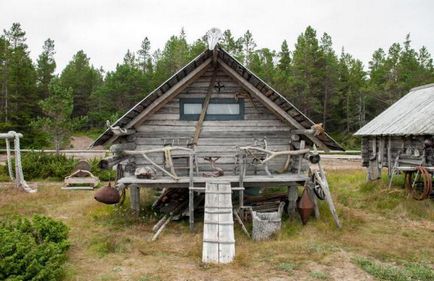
column 211, row 117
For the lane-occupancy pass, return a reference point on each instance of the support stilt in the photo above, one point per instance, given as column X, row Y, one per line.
column 135, row 197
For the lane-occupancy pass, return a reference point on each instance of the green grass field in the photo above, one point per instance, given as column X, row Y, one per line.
column 385, row 236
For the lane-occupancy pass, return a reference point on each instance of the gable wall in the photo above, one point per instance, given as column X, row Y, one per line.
column 216, row 136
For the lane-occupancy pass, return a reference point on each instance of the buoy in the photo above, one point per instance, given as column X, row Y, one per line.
column 108, row 195
column 305, row 206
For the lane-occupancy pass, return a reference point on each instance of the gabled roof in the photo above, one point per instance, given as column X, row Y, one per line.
column 413, row 114
column 231, row 64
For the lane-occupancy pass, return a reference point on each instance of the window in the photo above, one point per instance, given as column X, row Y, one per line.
column 218, row 109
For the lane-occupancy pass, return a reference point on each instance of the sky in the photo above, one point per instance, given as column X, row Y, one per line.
column 106, row 29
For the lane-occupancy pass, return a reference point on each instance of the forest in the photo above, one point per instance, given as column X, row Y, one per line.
column 335, row 89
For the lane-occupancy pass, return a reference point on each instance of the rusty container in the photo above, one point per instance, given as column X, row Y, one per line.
column 107, row 195
column 305, row 206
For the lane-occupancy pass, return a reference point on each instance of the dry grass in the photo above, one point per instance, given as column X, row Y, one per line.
column 108, row 243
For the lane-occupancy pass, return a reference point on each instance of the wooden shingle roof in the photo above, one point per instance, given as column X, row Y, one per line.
column 413, row 114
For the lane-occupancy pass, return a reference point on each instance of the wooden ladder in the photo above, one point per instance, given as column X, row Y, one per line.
column 218, row 227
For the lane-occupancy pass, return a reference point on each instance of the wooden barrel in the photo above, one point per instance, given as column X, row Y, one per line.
column 218, row 227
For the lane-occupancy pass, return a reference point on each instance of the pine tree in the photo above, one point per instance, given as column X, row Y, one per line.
column 306, row 74
column 262, row 64
column 329, row 77
column 45, row 68
column 249, row 46
column 83, row 79
column 232, row 46
column 57, row 108
column 144, row 55
column 19, row 82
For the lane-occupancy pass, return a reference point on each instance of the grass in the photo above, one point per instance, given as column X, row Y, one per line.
column 406, row 272
column 384, row 234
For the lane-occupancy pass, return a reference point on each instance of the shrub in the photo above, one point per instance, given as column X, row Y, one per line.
column 39, row 165
column 103, row 175
column 32, row 250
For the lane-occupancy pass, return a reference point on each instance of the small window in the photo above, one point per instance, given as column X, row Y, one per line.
column 218, row 109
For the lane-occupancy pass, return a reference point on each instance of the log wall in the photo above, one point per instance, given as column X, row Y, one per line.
column 382, row 151
column 217, row 137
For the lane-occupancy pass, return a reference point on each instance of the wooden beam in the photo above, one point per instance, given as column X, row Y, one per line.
column 269, row 104
column 205, row 106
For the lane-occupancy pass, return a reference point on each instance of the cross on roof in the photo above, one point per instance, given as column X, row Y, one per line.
column 219, row 86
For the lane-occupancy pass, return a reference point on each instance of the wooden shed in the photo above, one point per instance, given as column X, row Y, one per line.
column 213, row 118
column 402, row 137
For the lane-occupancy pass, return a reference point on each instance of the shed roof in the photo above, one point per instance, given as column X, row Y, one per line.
column 413, row 114
column 230, row 61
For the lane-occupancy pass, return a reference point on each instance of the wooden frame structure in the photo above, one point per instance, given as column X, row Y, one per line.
column 222, row 150
column 401, row 138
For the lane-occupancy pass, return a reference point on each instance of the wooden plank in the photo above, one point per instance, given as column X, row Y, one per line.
column 248, row 181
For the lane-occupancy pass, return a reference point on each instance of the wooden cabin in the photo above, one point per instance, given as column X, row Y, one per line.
column 402, row 137
column 213, row 120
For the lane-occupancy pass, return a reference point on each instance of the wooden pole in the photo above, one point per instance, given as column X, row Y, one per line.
column 322, row 180
column 300, row 158
column 389, row 156
column 135, row 197
column 161, row 228
column 205, row 107
column 191, row 194
column 241, row 181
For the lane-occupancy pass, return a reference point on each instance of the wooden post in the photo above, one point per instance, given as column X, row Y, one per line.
column 312, row 195
column 300, row 158
column 135, row 197
column 241, row 181
column 322, row 180
column 381, row 153
column 374, row 171
column 389, row 156
column 191, row 193
column 292, row 200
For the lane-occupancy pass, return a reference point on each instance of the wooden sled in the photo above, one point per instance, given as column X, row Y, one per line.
column 81, row 178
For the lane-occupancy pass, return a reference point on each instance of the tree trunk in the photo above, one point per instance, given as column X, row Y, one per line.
column 324, row 111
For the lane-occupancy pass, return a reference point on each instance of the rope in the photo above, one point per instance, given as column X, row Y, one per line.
column 20, row 182
column 9, row 160
column 427, row 183
column 18, row 167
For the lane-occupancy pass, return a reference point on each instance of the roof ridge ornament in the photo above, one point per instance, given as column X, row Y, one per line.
column 213, row 37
